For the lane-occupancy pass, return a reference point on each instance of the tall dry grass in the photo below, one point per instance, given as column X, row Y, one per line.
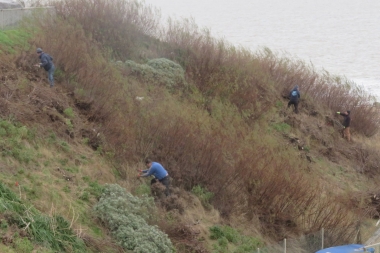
column 220, row 144
column 248, row 79
column 336, row 93
column 121, row 25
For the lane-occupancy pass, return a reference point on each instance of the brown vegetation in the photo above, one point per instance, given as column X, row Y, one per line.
column 221, row 133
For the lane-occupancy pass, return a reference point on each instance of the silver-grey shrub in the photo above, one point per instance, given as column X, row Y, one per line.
column 125, row 216
column 159, row 71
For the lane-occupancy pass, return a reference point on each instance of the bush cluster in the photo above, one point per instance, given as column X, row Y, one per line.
column 217, row 136
column 226, row 235
column 125, row 216
column 159, row 71
column 203, row 195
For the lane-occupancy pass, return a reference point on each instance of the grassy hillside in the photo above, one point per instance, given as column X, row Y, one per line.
column 246, row 171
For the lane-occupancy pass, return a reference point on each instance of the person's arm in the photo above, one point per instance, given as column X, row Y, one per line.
column 44, row 61
column 299, row 94
column 147, row 173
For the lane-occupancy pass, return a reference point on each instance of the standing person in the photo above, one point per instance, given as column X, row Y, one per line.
column 47, row 64
column 159, row 172
column 346, row 124
column 294, row 97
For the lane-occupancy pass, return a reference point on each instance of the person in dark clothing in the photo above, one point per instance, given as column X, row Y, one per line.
column 346, row 124
column 294, row 97
column 47, row 64
column 159, row 173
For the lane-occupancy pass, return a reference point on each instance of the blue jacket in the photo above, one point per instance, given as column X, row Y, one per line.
column 298, row 95
column 46, row 61
column 157, row 170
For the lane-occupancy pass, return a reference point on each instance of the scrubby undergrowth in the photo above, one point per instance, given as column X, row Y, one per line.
column 214, row 115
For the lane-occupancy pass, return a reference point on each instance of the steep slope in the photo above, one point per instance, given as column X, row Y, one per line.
column 215, row 116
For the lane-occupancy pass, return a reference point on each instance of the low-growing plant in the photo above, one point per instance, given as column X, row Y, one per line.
column 11, row 39
column 279, row 104
column 23, row 245
column 3, row 224
column 226, row 234
column 95, row 188
column 64, row 146
column 72, row 169
column 85, row 196
column 69, row 124
column 203, row 195
column 143, row 189
column 11, row 142
column 63, row 162
column 52, row 138
column 281, row 127
column 52, row 232
column 69, row 112
column 126, row 217
column 66, row 189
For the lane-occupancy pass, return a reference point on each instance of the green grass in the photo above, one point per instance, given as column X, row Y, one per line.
column 52, row 232
column 203, row 194
column 12, row 39
column 13, row 138
column 281, row 127
column 230, row 240
column 69, row 112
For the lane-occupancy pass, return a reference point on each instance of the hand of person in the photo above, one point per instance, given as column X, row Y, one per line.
column 338, row 112
column 37, row 65
column 138, row 175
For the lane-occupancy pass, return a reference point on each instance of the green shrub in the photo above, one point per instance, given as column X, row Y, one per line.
column 203, row 195
column 125, row 216
column 64, row 146
column 85, row 196
column 95, row 188
column 69, row 112
column 226, row 234
column 3, row 224
column 143, row 189
column 248, row 244
column 69, row 124
column 216, row 232
column 52, row 138
column 281, row 127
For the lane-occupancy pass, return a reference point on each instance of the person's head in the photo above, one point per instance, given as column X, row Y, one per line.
column 296, row 87
column 39, row 51
column 148, row 162
column 348, row 112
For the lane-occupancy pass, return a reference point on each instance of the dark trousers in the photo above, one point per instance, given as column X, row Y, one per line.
column 295, row 103
column 165, row 181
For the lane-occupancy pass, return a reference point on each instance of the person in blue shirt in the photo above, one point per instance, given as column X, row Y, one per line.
column 294, row 97
column 47, row 64
column 158, row 171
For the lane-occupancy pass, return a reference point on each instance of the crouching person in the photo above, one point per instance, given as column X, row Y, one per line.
column 159, row 173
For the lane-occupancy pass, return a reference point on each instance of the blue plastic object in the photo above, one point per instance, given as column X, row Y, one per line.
column 352, row 248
